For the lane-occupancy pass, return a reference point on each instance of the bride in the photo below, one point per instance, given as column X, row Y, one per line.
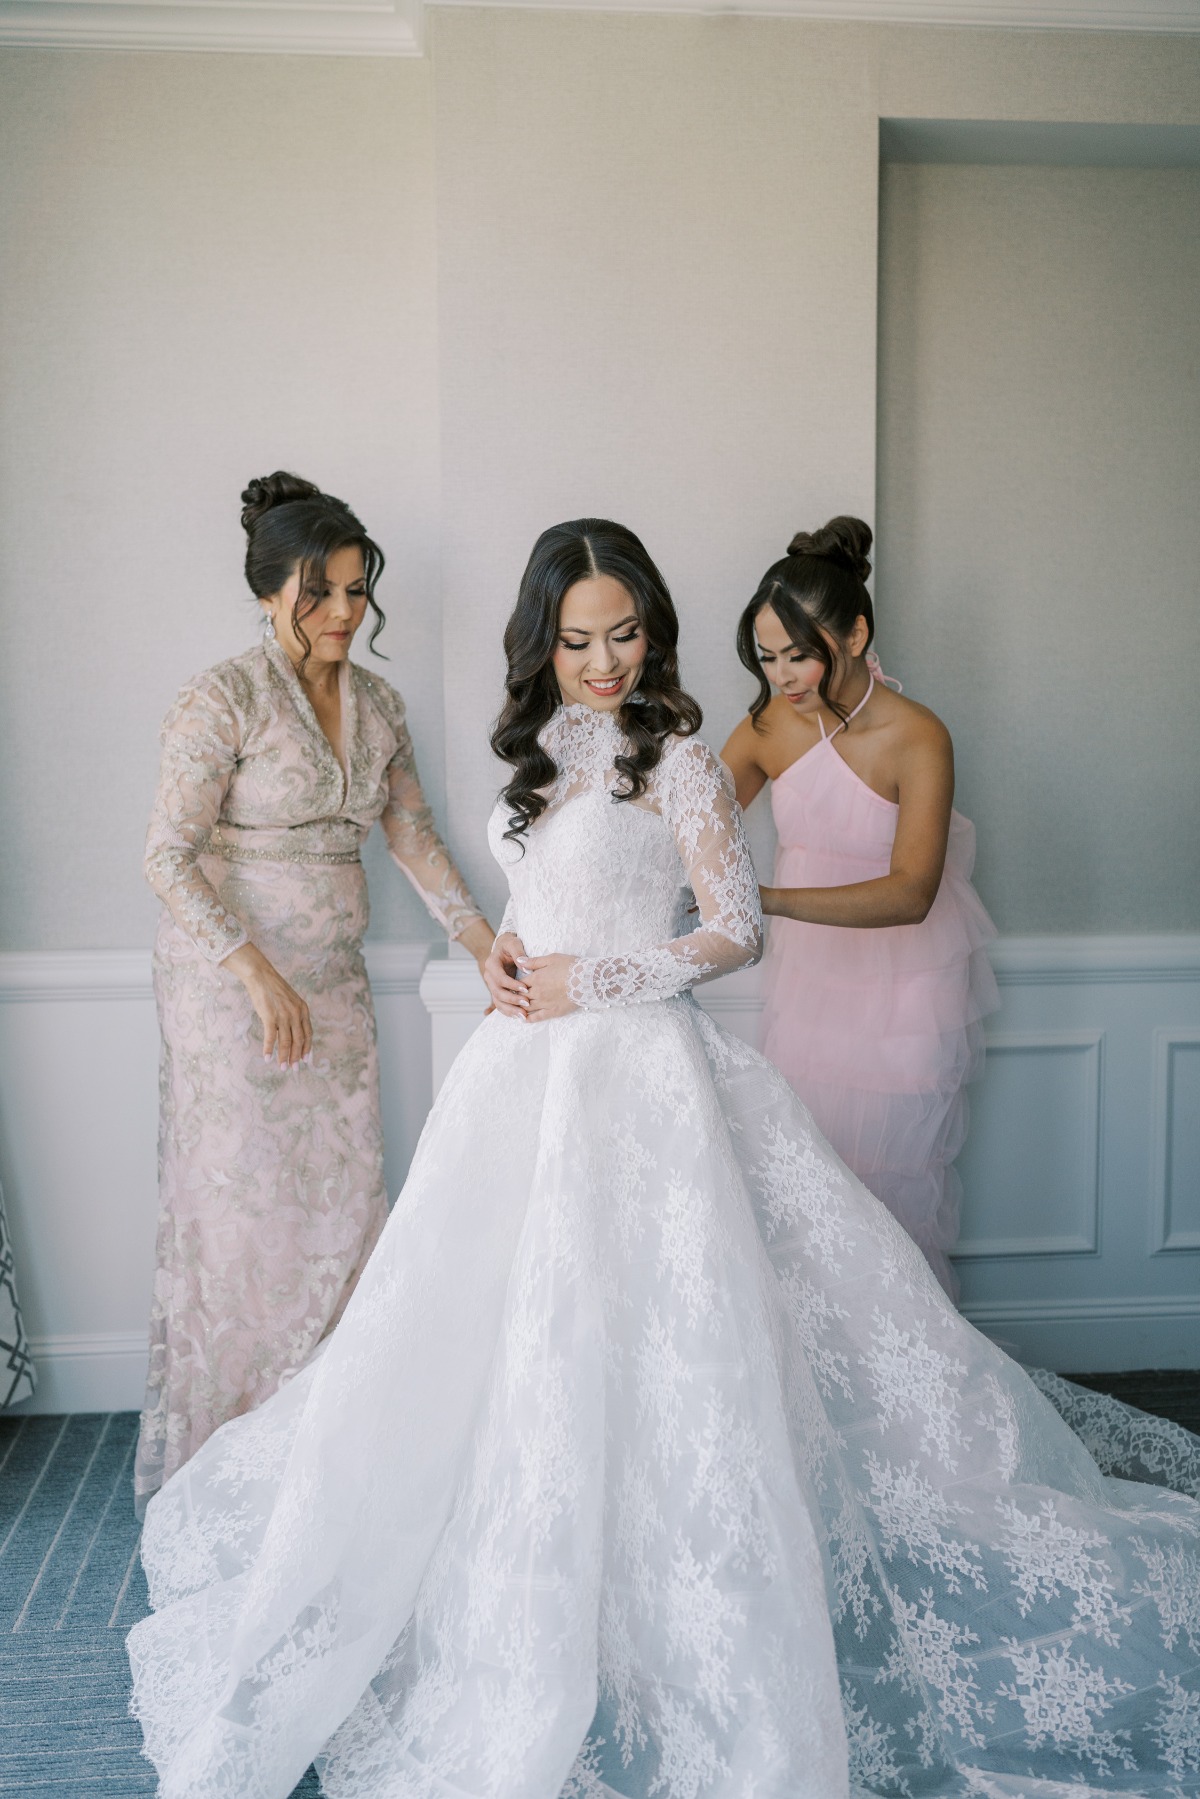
column 648, row 1458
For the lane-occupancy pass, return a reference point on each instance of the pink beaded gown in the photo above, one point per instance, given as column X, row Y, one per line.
column 271, row 1188
column 878, row 1030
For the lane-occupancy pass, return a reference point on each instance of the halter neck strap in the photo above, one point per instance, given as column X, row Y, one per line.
column 829, row 736
column 875, row 667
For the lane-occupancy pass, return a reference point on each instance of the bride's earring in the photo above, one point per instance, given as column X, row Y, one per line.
column 269, row 629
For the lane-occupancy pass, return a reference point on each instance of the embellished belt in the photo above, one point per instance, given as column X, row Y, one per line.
column 232, row 852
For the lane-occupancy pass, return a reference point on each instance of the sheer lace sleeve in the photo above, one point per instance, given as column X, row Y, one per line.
column 509, row 921
column 413, row 841
column 199, row 755
column 695, row 795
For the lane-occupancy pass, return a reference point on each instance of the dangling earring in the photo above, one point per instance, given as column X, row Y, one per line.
column 269, row 629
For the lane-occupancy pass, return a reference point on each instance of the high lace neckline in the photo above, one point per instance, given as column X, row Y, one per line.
column 579, row 712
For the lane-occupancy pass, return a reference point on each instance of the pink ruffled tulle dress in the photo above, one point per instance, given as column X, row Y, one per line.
column 878, row 1030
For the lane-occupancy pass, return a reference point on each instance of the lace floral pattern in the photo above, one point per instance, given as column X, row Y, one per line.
column 691, row 792
column 649, row 1461
column 271, row 1183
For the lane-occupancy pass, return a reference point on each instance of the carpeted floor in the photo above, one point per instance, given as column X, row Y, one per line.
column 71, row 1585
column 1169, row 1392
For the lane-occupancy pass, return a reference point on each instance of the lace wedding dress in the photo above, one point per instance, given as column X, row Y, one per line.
column 649, row 1458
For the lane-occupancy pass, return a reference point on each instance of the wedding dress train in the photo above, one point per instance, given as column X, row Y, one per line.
column 649, row 1460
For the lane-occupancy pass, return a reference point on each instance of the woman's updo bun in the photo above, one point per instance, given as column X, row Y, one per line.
column 817, row 592
column 291, row 525
column 264, row 492
column 844, row 539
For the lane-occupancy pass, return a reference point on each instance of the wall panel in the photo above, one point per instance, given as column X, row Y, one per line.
column 1035, row 1190
column 1175, row 1181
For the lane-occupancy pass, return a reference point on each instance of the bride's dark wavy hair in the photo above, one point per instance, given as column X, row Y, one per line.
column 659, row 708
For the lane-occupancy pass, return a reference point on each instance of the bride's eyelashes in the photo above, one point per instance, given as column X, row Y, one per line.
column 629, row 637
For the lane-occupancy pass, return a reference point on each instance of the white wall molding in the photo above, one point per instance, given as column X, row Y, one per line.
column 85, row 974
column 1176, row 1216
column 105, row 1371
column 395, row 967
column 1038, row 15
column 1063, row 961
column 394, row 27
column 451, row 985
column 1094, row 1335
column 1098, row 1041
column 109, row 974
column 1085, row 1048
column 88, row 1371
column 996, row 1312
column 335, row 28
column 453, row 994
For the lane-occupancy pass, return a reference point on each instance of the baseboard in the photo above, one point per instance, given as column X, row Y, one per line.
column 1095, row 1336
column 106, row 1371
column 98, row 1371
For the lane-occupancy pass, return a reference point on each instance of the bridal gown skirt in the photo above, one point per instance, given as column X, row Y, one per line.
column 649, row 1460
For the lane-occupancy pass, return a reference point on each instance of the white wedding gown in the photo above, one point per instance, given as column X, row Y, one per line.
column 648, row 1459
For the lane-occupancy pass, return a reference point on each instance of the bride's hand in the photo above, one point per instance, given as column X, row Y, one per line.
column 499, row 969
column 546, row 983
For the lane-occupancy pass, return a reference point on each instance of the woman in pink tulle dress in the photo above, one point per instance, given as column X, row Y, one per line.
column 875, row 972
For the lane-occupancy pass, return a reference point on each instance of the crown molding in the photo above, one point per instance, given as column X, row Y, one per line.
column 1035, row 15
column 312, row 28
column 395, row 27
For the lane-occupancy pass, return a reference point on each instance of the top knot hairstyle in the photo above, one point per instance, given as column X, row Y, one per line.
column 659, row 708
column 289, row 524
column 818, row 587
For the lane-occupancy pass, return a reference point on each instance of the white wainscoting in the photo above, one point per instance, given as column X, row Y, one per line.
column 1081, row 1232
column 78, row 1130
column 1080, row 1242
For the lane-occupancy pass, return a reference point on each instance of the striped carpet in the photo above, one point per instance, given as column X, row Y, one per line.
column 71, row 1585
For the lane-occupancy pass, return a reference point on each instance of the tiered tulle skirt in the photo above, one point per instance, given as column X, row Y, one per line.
column 880, row 1031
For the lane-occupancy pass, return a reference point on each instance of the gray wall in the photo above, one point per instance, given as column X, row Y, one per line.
column 570, row 262
column 213, row 266
column 658, row 304
column 1039, row 568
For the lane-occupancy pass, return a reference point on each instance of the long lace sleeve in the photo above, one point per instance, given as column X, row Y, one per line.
column 199, row 755
column 414, row 844
column 695, row 794
column 509, row 920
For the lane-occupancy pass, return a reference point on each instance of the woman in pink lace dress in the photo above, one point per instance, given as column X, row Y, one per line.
column 275, row 766
column 876, row 972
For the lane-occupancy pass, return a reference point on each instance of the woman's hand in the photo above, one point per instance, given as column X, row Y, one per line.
column 287, row 1026
column 770, row 902
column 546, row 985
column 499, row 969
